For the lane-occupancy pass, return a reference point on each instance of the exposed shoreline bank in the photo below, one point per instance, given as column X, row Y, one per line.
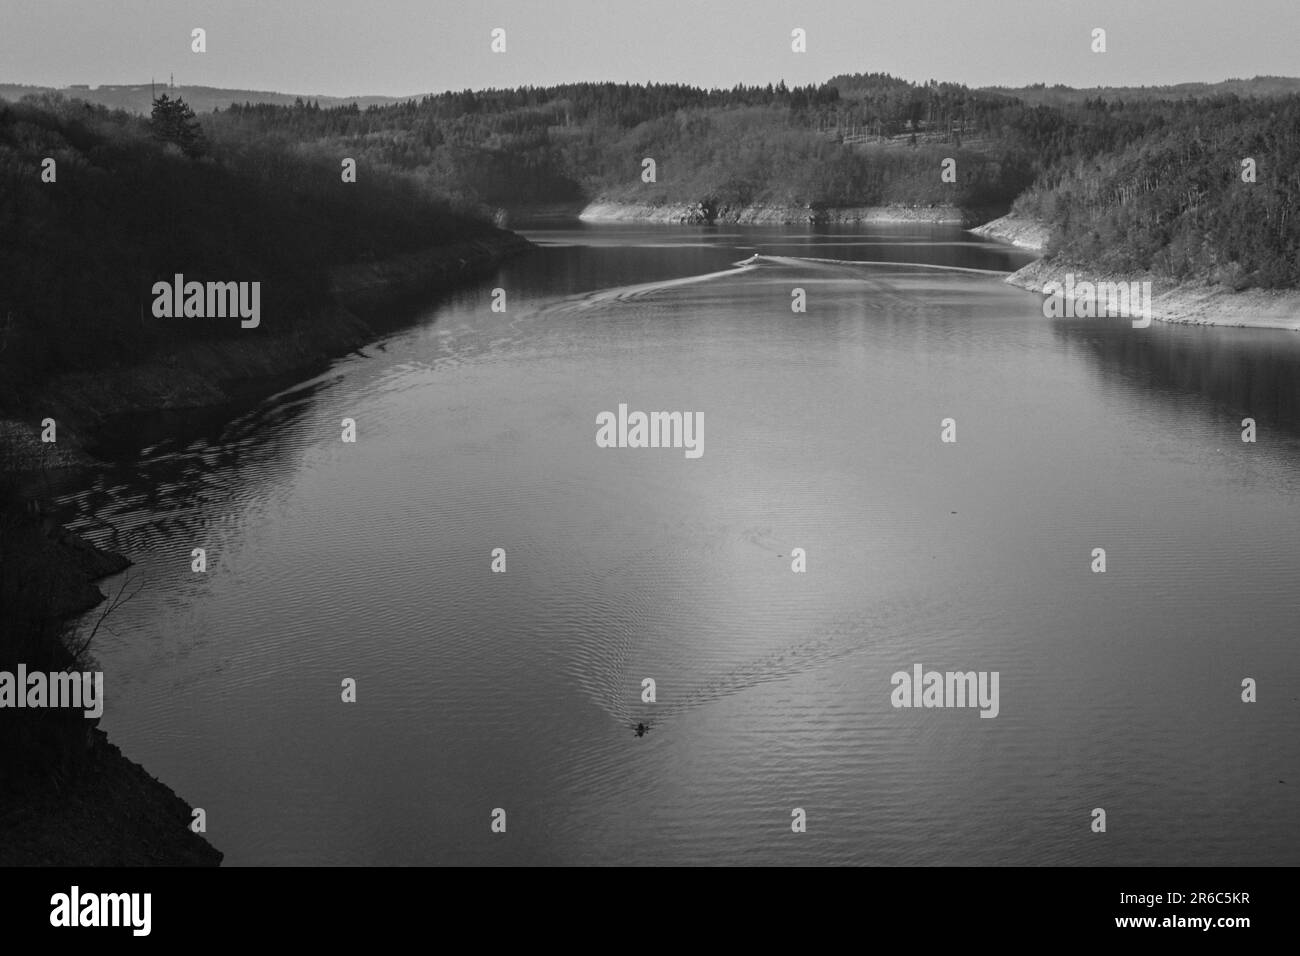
column 1031, row 234
column 1175, row 303
column 704, row 213
column 1181, row 303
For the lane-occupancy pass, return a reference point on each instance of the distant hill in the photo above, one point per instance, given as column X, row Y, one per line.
column 137, row 98
column 1059, row 95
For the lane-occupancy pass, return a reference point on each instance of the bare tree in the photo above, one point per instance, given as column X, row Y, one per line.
column 78, row 648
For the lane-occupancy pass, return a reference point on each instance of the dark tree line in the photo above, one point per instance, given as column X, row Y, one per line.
column 81, row 255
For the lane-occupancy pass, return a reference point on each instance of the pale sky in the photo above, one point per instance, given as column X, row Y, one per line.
column 403, row 47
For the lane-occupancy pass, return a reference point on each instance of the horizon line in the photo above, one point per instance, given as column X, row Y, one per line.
column 93, row 87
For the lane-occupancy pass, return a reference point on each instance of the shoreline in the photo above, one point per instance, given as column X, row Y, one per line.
column 1172, row 302
column 112, row 812
column 69, row 797
column 705, row 213
column 82, row 802
column 369, row 299
column 1182, row 303
column 1020, row 231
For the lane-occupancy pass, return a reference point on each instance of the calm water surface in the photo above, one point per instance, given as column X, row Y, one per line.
column 476, row 430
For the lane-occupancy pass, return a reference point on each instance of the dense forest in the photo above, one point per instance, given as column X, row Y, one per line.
column 1169, row 191
column 1151, row 181
column 748, row 144
column 137, row 200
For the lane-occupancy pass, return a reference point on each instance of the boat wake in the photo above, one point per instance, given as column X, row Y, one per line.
column 802, row 261
column 872, row 273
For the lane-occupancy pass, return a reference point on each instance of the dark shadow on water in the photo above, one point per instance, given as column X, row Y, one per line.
column 1241, row 373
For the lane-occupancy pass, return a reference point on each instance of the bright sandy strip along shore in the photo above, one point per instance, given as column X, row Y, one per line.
column 1187, row 303
column 1025, row 233
column 604, row 210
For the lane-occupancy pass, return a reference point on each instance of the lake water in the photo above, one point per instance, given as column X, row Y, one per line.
column 479, row 690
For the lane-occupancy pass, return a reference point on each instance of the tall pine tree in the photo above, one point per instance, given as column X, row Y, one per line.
column 173, row 121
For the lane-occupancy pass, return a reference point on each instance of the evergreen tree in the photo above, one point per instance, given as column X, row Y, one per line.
column 173, row 121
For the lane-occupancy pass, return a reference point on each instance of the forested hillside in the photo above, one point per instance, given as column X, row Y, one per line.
column 774, row 144
column 1152, row 181
column 1167, row 192
column 128, row 207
